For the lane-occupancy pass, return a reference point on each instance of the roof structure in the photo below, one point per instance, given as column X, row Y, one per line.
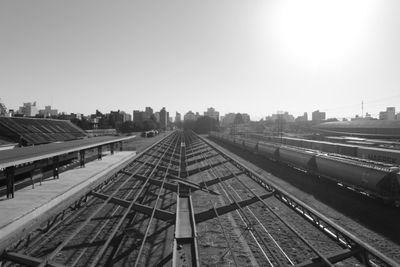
column 23, row 155
column 365, row 128
column 34, row 131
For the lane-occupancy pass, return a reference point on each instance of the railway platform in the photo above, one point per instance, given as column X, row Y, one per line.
column 32, row 207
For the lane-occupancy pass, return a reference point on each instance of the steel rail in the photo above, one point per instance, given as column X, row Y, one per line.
column 263, row 227
column 300, row 236
column 83, row 224
column 154, row 209
column 320, row 255
column 147, row 153
column 332, row 230
column 185, row 250
column 244, row 219
column 253, row 215
column 316, row 251
column 93, row 237
column 121, row 220
column 32, row 246
column 220, row 224
column 254, row 232
column 249, row 228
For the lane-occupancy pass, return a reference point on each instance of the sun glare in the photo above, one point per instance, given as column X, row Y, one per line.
column 317, row 31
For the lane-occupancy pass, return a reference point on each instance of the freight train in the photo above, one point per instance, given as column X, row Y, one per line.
column 391, row 156
column 379, row 180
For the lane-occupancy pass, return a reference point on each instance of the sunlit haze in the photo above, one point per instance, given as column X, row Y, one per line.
column 253, row 57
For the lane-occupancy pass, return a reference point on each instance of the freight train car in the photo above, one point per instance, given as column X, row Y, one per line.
column 373, row 178
column 385, row 155
column 379, row 181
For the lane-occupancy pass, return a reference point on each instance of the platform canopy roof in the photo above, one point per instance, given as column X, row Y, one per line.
column 23, row 155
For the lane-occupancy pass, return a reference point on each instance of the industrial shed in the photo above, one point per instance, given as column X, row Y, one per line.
column 362, row 128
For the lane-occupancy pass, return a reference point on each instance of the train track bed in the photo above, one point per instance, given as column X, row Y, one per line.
column 371, row 221
column 258, row 236
column 80, row 237
column 184, row 202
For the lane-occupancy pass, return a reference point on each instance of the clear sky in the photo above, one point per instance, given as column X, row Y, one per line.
column 234, row 55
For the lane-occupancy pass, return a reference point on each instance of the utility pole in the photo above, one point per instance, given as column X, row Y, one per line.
column 362, row 109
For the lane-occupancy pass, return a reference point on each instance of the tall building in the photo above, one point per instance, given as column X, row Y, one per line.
column 389, row 114
column 318, row 116
column 229, row 118
column 48, row 112
column 29, row 109
column 116, row 118
column 189, row 116
column 302, row 118
column 148, row 113
column 282, row 115
column 157, row 116
column 138, row 116
column 212, row 113
column 246, row 117
column 163, row 119
column 3, row 109
column 178, row 117
column 126, row 116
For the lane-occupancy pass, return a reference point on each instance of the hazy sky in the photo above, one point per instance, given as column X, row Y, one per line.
column 235, row 55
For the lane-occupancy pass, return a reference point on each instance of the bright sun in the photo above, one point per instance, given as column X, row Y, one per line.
column 317, row 31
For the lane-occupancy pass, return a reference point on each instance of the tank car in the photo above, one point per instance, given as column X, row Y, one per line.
column 382, row 182
column 250, row 145
column 268, row 150
column 297, row 157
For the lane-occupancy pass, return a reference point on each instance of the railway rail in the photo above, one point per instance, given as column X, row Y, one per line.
column 183, row 202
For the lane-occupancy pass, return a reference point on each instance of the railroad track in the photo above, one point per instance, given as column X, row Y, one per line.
column 186, row 203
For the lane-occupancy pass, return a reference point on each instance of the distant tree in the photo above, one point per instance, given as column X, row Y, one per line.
column 205, row 124
column 188, row 125
column 178, row 124
column 238, row 119
column 149, row 125
column 104, row 123
column 127, row 127
column 83, row 123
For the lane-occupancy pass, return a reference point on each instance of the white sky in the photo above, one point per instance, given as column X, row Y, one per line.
column 235, row 55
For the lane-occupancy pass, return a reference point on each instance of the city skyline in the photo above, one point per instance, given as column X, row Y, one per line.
column 210, row 111
column 254, row 58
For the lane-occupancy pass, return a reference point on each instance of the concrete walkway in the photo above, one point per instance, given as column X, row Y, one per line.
column 31, row 207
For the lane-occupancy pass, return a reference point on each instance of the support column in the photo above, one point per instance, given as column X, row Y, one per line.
column 82, row 158
column 99, row 152
column 120, row 146
column 37, row 173
column 112, row 148
column 9, row 172
column 56, row 162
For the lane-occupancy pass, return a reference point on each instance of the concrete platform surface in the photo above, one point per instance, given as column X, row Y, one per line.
column 30, row 207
